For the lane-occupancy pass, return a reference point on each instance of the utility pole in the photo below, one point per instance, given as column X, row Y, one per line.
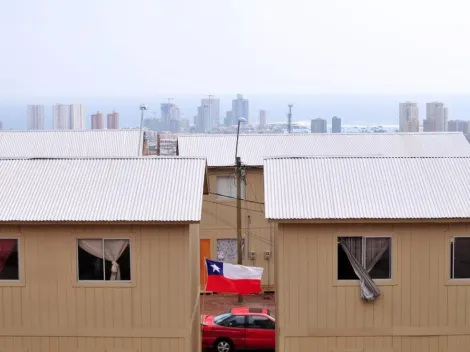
column 289, row 118
column 239, row 179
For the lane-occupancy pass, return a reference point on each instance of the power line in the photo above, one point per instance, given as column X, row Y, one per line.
column 233, row 206
column 233, row 226
column 223, row 195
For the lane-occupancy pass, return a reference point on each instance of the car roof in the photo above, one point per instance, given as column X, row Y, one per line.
column 249, row 310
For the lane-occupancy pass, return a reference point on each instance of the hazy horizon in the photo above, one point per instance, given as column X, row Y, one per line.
column 376, row 109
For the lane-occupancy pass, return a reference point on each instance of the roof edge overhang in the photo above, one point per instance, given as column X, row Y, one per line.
column 368, row 221
column 99, row 223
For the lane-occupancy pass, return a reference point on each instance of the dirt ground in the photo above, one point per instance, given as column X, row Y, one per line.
column 217, row 304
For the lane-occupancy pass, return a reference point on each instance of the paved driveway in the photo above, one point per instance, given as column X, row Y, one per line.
column 217, row 304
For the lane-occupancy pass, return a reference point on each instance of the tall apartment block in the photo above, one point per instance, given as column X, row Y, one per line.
column 97, row 121
column 408, row 117
column 77, row 117
column 240, row 108
column 35, row 117
column 68, row 117
column 336, row 124
column 113, row 121
column 212, row 116
column 318, row 125
column 61, row 117
column 458, row 126
column 1, row 125
column 262, row 118
column 436, row 117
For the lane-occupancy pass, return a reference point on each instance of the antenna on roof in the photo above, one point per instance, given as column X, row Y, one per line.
column 289, row 118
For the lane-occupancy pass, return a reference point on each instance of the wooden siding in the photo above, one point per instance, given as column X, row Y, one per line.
column 51, row 312
column 219, row 219
column 420, row 311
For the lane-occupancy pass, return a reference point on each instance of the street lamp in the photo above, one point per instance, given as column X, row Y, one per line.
column 238, row 168
column 142, row 108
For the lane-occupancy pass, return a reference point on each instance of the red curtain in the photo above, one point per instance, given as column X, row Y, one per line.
column 6, row 247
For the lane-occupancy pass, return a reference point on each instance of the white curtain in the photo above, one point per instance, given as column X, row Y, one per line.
column 113, row 249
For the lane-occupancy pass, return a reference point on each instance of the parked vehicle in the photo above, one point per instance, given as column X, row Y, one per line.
column 242, row 328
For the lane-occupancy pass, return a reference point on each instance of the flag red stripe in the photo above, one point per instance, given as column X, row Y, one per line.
column 219, row 283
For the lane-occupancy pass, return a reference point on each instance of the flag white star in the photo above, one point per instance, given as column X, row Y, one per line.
column 215, row 268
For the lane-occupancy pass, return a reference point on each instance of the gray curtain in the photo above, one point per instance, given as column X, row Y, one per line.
column 375, row 248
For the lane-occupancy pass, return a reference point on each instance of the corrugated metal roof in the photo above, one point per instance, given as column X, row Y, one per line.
column 366, row 188
column 71, row 143
column 94, row 189
column 220, row 149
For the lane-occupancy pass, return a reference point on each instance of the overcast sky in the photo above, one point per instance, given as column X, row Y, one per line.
column 141, row 47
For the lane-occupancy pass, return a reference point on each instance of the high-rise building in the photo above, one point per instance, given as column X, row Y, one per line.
column 335, row 124
column 68, row 117
column 212, row 116
column 201, row 118
column 113, row 121
column 1, row 125
column 228, row 120
column 458, row 126
column 262, row 118
column 436, row 117
column 318, row 125
column 97, row 121
column 408, row 117
column 240, row 108
column 77, row 117
column 35, row 117
column 61, row 116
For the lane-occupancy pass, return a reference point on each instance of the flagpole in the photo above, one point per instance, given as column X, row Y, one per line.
column 205, row 286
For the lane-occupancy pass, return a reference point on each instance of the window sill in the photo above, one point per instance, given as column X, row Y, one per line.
column 458, row 282
column 12, row 283
column 105, row 284
column 346, row 283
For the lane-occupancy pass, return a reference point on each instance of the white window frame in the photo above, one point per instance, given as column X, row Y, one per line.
column 20, row 263
column 363, row 256
column 232, row 197
column 452, row 260
column 104, row 265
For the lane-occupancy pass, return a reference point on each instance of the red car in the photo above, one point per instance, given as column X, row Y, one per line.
column 240, row 329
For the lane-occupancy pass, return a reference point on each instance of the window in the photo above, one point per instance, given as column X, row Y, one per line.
column 104, row 260
column 227, row 249
column 460, row 258
column 227, row 189
column 234, row 321
column 373, row 253
column 259, row 322
column 9, row 260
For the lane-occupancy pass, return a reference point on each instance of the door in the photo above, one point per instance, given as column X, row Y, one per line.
column 204, row 252
column 260, row 332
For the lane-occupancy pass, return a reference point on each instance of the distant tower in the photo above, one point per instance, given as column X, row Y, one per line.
column 289, row 118
column 336, row 125
column 262, row 118
column 97, row 121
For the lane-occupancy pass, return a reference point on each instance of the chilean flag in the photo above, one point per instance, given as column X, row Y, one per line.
column 228, row 278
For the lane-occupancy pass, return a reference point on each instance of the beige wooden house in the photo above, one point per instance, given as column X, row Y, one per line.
column 97, row 255
column 218, row 224
column 372, row 253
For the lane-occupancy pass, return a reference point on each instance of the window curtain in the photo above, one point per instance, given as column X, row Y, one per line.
column 6, row 248
column 113, row 249
column 353, row 248
column 375, row 249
